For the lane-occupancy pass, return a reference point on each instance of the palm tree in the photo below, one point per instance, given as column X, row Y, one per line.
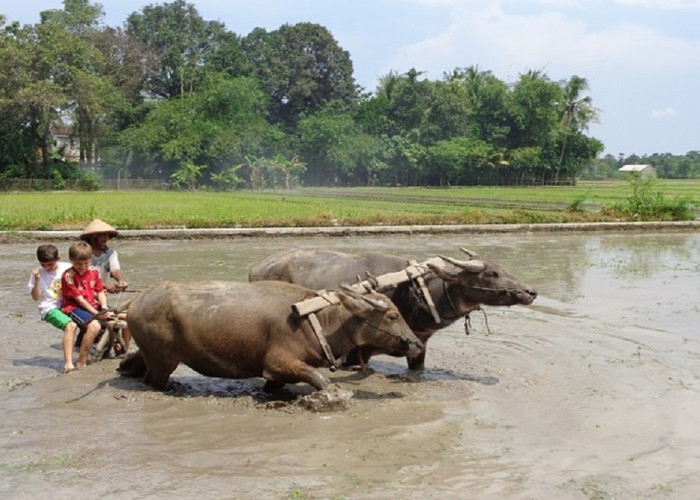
column 387, row 84
column 576, row 112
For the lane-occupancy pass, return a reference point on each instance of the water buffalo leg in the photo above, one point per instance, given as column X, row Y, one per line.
column 359, row 356
column 158, row 370
column 133, row 365
column 417, row 362
column 309, row 375
column 297, row 370
column 352, row 358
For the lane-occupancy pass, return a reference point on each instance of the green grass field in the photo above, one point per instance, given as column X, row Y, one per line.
column 325, row 206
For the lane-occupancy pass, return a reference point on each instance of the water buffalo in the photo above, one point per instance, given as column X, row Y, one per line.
column 455, row 293
column 243, row 330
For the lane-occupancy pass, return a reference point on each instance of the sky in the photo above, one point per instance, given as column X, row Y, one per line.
column 641, row 58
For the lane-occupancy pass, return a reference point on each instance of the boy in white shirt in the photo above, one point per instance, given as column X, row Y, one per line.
column 45, row 288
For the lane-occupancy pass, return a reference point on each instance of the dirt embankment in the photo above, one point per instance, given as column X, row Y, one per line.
column 188, row 234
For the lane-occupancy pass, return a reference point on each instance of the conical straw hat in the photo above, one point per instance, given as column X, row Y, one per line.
column 96, row 227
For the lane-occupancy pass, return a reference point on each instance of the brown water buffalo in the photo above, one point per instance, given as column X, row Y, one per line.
column 455, row 293
column 243, row 330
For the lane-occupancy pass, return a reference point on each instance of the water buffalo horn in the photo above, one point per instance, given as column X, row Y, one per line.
column 473, row 266
column 350, row 291
column 469, row 252
column 372, row 280
column 380, row 305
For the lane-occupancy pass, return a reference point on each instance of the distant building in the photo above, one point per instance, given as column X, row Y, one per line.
column 63, row 141
column 642, row 170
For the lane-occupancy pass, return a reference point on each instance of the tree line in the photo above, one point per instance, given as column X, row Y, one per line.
column 667, row 165
column 170, row 95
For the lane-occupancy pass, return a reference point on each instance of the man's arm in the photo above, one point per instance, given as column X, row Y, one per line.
column 115, row 270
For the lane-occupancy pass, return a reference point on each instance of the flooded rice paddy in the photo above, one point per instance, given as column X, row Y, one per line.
column 591, row 392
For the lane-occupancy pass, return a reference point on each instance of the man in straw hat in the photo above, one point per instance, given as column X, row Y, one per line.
column 97, row 234
column 106, row 260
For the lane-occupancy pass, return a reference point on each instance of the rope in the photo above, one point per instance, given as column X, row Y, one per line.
column 486, row 320
column 468, row 322
column 449, row 300
column 385, row 332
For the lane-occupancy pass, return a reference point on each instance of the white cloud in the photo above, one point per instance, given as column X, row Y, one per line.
column 663, row 4
column 661, row 114
column 638, row 49
column 435, row 3
column 560, row 3
column 551, row 41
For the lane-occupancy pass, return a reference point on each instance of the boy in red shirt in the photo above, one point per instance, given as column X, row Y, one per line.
column 84, row 298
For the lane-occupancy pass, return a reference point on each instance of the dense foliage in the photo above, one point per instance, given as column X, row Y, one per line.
column 175, row 97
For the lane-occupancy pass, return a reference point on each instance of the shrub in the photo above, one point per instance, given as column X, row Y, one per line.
column 646, row 203
column 577, row 204
column 59, row 183
column 38, row 185
column 89, row 182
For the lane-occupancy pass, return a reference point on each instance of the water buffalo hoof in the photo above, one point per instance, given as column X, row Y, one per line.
column 273, row 386
column 132, row 366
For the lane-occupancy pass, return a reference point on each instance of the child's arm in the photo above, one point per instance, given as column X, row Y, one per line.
column 102, row 299
column 36, row 289
column 82, row 302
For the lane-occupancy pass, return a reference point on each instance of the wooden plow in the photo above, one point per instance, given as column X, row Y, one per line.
column 110, row 336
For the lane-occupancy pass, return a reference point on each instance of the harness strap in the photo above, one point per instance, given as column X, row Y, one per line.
column 449, row 299
column 418, row 277
column 316, row 327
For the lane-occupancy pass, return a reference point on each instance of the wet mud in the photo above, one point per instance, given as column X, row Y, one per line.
column 591, row 392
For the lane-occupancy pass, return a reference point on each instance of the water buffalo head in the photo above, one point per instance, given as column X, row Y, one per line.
column 379, row 323
column 480, row 281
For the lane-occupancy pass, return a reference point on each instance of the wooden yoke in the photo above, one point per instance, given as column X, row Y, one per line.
column 314, row 304
column 378, row 283
column 318, row 331
column 426, row 293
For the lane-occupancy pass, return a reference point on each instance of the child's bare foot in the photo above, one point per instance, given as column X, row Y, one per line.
column 81, row 363
column 68, row 368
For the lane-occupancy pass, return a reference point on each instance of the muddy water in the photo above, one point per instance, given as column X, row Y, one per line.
column 591, row 392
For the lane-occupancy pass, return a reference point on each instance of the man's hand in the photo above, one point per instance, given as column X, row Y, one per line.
column 117, row 287
column 105, row 314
